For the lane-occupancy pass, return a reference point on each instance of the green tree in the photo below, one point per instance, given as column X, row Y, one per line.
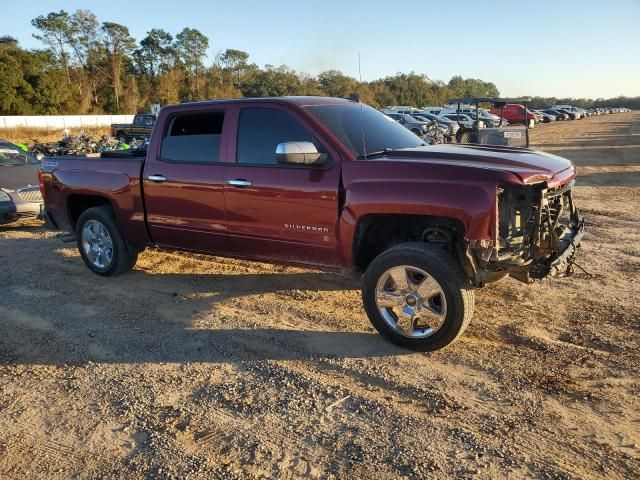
column 191, row 48
column 336, row 84
column 235, row 61
column 117, row 43
column 157, row 52
column 55, row 30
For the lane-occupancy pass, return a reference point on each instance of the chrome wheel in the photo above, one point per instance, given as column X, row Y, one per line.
column 97, row 244
column 411, row 301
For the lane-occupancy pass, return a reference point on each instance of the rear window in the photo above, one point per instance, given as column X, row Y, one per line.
column 193, row 138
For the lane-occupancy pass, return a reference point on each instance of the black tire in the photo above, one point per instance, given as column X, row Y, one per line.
column 467, row 136
column 446, row 270
column 124, row 256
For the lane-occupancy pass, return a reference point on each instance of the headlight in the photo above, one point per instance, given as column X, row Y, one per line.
column 4, row 196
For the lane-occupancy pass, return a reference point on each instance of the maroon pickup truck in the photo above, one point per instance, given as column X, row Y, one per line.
column 327, row 184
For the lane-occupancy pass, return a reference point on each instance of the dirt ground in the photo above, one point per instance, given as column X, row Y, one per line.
column 196, row 367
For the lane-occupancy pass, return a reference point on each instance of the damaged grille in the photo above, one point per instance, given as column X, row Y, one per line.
column 30, row 194
column 532, row 226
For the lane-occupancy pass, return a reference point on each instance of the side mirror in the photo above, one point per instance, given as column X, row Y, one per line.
column 299, row 153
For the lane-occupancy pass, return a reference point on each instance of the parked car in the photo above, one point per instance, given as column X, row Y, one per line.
column 142, row 126
column 19, row 191
column 451, row 126
column 410, row 123
column 577, row 113
column 572, row 114
column 544, row 117
column 330, row 184
column 463, row 120
column 558, row 114
column 515, row 114
column 488, row 119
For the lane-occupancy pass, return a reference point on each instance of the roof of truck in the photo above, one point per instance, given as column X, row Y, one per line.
column 299, row 100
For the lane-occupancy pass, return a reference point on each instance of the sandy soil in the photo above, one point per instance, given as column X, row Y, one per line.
column 196, row 367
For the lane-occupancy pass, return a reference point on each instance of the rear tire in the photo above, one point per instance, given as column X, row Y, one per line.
column 115, row 255
column 436, row 304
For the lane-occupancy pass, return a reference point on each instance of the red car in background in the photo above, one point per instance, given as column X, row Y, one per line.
column 514, row 113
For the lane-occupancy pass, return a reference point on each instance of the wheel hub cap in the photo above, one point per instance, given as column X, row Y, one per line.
column 97, row 244
column 411, row 301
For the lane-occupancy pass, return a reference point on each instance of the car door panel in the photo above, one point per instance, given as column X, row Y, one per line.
column 287, row 213
column 184, row 200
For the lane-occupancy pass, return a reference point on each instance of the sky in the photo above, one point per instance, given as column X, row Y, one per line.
column 569, row 48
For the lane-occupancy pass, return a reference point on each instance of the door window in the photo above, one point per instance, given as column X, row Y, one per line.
column 193, row 138
column 260, row 130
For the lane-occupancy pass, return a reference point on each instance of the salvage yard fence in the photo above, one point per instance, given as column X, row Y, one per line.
column 61, row 121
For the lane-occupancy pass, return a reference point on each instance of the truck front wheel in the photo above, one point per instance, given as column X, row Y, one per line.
column 417, row 296
column 101, row 244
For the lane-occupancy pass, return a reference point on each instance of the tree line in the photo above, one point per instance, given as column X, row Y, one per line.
column 88, row 66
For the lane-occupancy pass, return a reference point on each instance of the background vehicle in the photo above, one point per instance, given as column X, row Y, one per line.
column 558, row 114
column 19, row 192
column 577, row 113
column 451, row 126
column 327, row 184
column 462, row 119
column 544, row 117
column 142, row 126
column 418, row 127
column 488, row 119
column 515, row 114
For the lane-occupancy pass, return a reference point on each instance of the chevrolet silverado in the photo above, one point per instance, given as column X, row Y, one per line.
column 327, row 184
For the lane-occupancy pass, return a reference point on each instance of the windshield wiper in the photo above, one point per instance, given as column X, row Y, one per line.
column 379, row 153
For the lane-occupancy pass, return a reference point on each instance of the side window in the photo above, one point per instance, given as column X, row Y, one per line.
column 193, row 138
column 137, row 120
column 260, row 130
column 149, row 121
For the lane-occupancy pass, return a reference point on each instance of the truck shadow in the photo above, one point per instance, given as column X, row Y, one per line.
column 54, row 311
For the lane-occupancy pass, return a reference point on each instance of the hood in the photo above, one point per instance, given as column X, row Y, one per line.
column 529, row 165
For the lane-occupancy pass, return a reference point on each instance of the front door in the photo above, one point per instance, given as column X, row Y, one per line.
column 183, row 184
column 275, row 211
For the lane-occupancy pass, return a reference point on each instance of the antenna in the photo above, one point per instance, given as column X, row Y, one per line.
column 364, row 142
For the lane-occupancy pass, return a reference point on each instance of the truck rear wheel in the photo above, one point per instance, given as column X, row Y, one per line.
column 417, row 296
column 101, row 244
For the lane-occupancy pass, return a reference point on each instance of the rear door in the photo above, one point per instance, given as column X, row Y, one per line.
column 183, row 182
column 274, row 211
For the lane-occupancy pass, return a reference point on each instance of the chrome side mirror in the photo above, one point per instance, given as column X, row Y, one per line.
column 299, row 153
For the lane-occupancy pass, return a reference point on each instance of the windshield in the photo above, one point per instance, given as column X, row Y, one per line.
column 11, row 154
column 350, row 123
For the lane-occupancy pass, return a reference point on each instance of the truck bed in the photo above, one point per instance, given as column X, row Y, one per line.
column 113, row 177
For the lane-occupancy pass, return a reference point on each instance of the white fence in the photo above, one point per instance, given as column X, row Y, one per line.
column 62, row 121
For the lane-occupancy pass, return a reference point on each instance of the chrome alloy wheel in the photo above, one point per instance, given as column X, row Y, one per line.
column 97, row 244
column 411, row 301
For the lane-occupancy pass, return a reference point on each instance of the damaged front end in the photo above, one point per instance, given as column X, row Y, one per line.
column 538, row 233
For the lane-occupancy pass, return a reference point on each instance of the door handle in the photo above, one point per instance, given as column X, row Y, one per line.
column 240, row 183
column 157, row 178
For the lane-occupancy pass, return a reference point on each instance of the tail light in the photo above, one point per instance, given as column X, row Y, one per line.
column 41, row 184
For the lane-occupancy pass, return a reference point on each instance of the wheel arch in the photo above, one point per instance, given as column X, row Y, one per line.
column 375, row 233
column 77, row 204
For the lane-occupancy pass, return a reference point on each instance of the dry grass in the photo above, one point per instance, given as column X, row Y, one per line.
column 26, row 135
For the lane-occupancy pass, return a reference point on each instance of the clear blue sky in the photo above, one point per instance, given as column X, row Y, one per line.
column 572, row 48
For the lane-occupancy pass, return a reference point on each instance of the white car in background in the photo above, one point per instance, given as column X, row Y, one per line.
column 579, row 113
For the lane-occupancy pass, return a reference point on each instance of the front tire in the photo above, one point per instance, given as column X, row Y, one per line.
column 101, row 244
column 417, row 296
